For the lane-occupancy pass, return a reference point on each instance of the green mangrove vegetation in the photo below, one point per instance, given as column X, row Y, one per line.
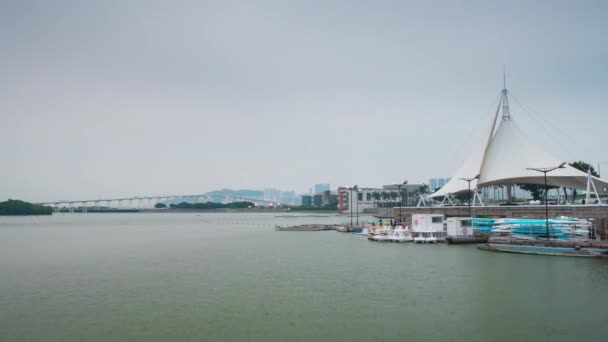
column 17, row 207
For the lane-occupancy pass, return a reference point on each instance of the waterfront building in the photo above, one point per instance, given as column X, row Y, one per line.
column 428, row 227
column 404, row 187
column 409, row 195
column 288, row 197
column 306, row 201
column 317, row 200
column 385, row 197
column 359, row 200
column 327, row 198
column 279, row 196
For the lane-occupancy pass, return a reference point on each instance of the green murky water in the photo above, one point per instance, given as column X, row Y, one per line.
column 231, row 277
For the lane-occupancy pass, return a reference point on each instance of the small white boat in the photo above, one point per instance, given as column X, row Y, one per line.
column 426, row 237
column 369, row 230
column 430, row 239
column 365, row 231
column 401, row 235
column 342, row 229
column 381, row 237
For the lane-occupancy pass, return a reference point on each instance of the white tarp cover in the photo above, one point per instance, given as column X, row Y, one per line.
column 510, row 154
column 471, row 166
column 505, row 161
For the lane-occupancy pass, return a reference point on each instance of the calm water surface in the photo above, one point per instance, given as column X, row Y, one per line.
column 231, row 277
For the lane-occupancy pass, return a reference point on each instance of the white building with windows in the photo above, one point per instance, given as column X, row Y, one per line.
column 363, row 198
column 360, row 198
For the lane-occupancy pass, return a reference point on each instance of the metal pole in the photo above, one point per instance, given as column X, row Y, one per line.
column 357, row 207
column 546, row 207
column 469, row 198
column 401, row 202
column 351, row 207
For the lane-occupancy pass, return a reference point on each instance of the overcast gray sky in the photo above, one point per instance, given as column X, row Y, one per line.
column 124, row 98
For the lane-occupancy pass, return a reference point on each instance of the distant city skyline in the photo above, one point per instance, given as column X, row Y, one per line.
column 114, row 99
column 437, row 183
column 319, row 188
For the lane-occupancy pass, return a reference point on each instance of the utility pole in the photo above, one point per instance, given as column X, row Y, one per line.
column 469, row 180
column 400, row 198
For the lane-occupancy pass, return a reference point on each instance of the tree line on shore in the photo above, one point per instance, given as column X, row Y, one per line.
column 17, row 207
column 406, row 197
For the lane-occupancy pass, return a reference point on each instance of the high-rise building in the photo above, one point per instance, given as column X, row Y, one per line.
column 317, row 200
column 279, row 196
column 306, row 201
column 288, row 197
column 272, row 195
column 437, row 183
column 319, row 188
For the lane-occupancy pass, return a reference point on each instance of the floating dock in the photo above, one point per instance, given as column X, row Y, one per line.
column 307, row 227
column 546, row 250
column 466, row 239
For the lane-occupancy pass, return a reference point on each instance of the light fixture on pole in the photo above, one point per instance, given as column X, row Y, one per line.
column 350, row 205
column 400, row 199
column 546, row 170
column 469, row 180
column 357, row 199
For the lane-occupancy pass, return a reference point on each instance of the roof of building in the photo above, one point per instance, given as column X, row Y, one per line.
column 506, row 158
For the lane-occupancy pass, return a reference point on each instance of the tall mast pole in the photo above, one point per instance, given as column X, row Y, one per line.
column 506, row 114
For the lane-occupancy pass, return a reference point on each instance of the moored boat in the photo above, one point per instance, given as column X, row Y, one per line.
column 419, row 239
column 430, row 239
column 401, row 235
column 380, row 237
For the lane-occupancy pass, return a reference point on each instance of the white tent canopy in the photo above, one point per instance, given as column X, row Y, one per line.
column 510, row 155
column 505, row 160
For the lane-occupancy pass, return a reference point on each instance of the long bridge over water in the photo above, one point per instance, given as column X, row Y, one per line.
column 146, row 202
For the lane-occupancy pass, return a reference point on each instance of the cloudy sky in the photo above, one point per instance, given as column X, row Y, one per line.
column 125, row 98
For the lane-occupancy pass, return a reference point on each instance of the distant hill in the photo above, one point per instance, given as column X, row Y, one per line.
column 245, row 193
column 240, row 193
column 16, row 207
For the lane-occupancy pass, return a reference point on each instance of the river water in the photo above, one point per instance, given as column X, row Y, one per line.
column 231, row 277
